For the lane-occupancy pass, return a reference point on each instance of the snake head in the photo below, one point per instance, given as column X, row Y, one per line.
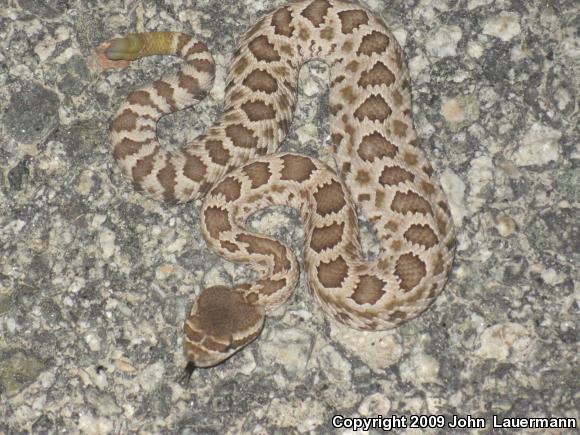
column 221, row 322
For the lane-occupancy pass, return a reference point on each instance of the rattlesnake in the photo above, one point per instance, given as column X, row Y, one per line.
column 234, row 164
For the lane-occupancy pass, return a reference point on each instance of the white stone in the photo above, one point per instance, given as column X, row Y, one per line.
column 454, row 188
column 474, row 49
column 107, row 243
column 93, row 341
column 444, row 42
column 505, row 225
column 336, row 367
column 94, row 425
column 506, row 342
column 379, row 349
column 300, row 415
column 288, row 347
column 505, row 26
column 472, row 4
column 553, row 277
column 420, row 369
column 85, row 183
column 480, row 175
column 177, row 245
column 375, row 404
column 538, row 146
column 417, row 64
column 149, row 378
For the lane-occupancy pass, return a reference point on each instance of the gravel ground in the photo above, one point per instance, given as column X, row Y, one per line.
column 95, row 280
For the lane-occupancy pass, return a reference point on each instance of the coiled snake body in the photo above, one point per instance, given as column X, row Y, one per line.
column 234, row 164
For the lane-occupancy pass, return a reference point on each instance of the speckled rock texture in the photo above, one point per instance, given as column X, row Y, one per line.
column 96, row 280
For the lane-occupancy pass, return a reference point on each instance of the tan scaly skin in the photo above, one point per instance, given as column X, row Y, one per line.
column 372, row 134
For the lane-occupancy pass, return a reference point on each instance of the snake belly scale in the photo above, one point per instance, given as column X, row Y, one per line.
column 234, row 164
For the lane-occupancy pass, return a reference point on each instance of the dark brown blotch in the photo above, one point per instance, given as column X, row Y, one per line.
column 268, row 247
column 332, row 274
column 229, row 187
column 240, row 66
column 375, row 42
column 216, row 221
column 362, row 177
column 376, row 146
column 189, row 83
column 399, row 128
column 127, row 147
column 316, row 12
column 142, row 168
column 258, row 173
column 329, row 198
column 393, row 175
column 217, row 153
column 165, row 91
column 182, row 41
column 126, row 121
column 194, row 168
column 397, row 98
column 281, row 21
column 260, row 80
column 428, row 169
column 379, row 74
column 270, row 286
column 166, row 177
column 258, row 111
column 369, row 290
column 297, row 168
column 203, row 65
column 198, row 47
column 348, row 94
column 262, row 49
column 326, row 237
column 241, row 137
column 439, row 264
column 427, row 187
column 142, row 98
column 410, row 202
column 229, row 246
column 351, row 20
column 410, row 269
column 327, row 33
column 374, row 108
column 422, row 235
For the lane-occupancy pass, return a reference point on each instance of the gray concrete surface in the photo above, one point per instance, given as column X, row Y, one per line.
column 95, row 280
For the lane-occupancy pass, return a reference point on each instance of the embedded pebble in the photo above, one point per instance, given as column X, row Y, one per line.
column 90, row 425
column 480, row 176
column 107, row 242
column 444, row 41
column 375, row 404
column 288, row 347
column 420, row 369
column 505, row 26
column 337, row 368
column 454, row 188
column 303, row 415
column 506, row 342
column 32, row 113
column 539, row 146
column 505, row 225
column 460, row 109
column 378, row 350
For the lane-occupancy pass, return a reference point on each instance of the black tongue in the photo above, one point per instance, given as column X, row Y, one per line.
column 187, row 372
